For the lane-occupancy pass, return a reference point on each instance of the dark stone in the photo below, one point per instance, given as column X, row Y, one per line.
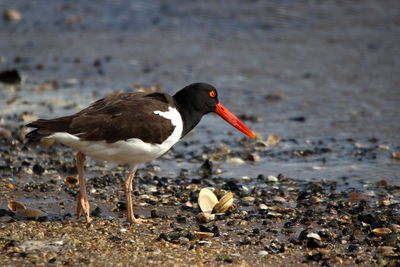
column 96, row 212
column 206, row 169
column 353, row 247
column 298, row 119
column 37, row 169
column 163, row 236
column 303, row 235
column 315, row 257
column 121, row 206
column 154, row 213
column 232, row 186
column 10, row 77
column 115, row 238
column 180, row 218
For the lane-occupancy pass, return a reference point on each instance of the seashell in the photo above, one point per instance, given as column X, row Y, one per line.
column 15, row 206
column 204, row 234
column 20, row 209
column 224, row 203
column 71, row 181
column 207, row 200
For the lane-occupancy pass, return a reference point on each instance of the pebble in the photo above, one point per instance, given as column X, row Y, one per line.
column 381, row 231
column 272, row 179
column 12, row 15
column 262, row 253
column 254, row 157
column 205, row 217
column 385, row 250
column 396, row 155
column 314, row 236
column 248, row 199
column 235, row 161
column 273, row 140
column 203, row 243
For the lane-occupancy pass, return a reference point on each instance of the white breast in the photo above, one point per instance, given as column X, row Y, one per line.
column 131, row 151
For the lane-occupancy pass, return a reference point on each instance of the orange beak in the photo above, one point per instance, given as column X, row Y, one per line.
column 233, row 120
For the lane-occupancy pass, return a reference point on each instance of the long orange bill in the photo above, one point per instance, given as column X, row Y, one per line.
column 233, row 120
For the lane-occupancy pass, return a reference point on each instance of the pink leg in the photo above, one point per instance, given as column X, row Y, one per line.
column 128, row 190
column 83, row 201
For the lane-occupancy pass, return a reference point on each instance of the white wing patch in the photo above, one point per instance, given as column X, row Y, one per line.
column 131, row 151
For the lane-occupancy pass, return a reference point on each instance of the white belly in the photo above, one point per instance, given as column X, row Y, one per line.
column 131, row 151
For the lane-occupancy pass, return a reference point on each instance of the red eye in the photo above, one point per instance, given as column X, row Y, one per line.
column 212, row 93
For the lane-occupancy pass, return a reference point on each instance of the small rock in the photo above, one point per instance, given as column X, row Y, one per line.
column 254, row 157
column 4, row 133
column 278, row 199
column 396, row 155
column 272, row 179
column 385, row 250
column 9, row 186
column 353, row 247
column 204, row 234
column 262, row 253
column 205, row 217
column 12, row 15
column 203, row 243
column 248, row 199
column 96, row 212
column 235, row 161
column 273, row 140
column 274, row 96
column 37, row 169
column 183, row 240
column 10, row 77
column 381, row 231
column 314, row 236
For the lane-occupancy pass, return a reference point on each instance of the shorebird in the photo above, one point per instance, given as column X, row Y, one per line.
column 131, row 128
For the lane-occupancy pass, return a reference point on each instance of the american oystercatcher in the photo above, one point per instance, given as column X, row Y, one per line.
column 132, row 128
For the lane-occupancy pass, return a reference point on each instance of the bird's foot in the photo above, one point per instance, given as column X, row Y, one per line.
column 83, row 206
column 133, row 219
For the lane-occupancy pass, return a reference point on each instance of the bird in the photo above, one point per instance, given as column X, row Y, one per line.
column 131, row 128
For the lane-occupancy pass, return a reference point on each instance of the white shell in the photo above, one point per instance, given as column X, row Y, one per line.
column 207, row 200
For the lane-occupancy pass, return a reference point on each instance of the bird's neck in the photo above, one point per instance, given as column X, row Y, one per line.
column 190, row 115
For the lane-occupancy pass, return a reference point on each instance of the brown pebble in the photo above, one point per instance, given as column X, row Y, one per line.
column 204, row 234
column 385, row 250
column 382, row 182
column 355, row 197
column 396, row 155
column 381, row 231
column 253, row 157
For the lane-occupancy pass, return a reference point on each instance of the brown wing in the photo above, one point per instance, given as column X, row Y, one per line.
column 117, row 117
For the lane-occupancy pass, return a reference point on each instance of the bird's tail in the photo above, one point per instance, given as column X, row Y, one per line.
column 45, row 128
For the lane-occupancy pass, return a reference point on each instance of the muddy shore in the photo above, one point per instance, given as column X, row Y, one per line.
column 318, row 81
